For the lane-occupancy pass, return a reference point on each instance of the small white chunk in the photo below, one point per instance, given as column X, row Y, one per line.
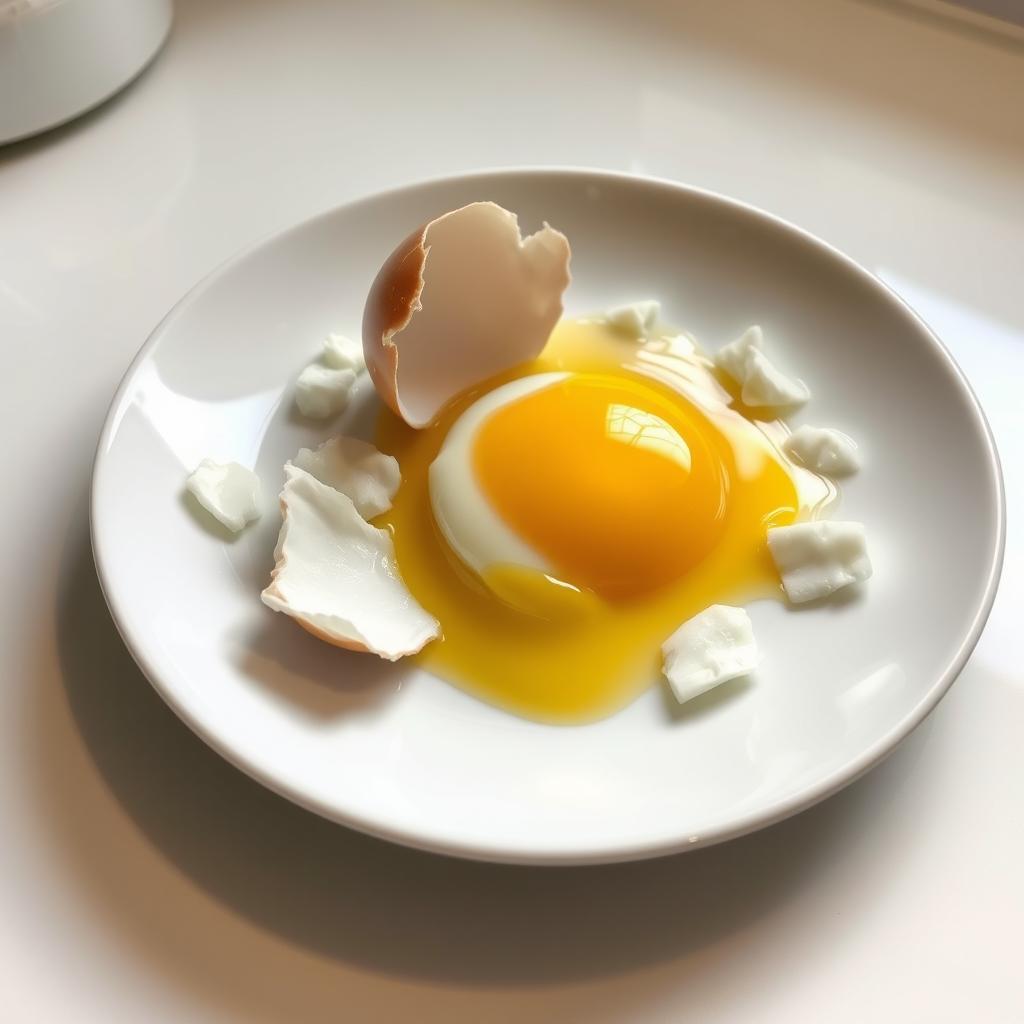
column 763, row 384
column 337, row 575
column 341, row 353
column 711, row 648
column 323, row 391
column 228, row 491
column 635, row 319
column 732, row 358
column 822, row 449
column 369, row 477
column 817, row 559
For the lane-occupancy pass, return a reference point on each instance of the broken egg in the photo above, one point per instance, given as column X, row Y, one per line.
column 562, row 519
column 560, row 495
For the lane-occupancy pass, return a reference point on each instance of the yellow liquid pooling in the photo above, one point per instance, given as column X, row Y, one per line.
column 647, row 507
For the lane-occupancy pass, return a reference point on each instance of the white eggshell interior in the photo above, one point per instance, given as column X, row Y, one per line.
column 357, row 469
column 489, row 301
column 338, row 574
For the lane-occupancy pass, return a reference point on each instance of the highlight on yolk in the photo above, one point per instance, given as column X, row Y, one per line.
column 619, row 488
column 648, row 506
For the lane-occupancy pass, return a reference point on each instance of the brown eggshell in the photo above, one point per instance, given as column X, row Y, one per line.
column 345, row 645
column 460, row 300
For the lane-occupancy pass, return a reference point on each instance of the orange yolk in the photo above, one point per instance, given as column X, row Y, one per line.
column 647, row 508
column 617, row 487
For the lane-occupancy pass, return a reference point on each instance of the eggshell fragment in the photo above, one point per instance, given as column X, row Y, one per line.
column 636, row 319
column 711, row 648
column 823, row 450
column 228, row 491
column 341, row 353
column 337, row 576
column 763, row 384
column 461, row 299
column 322, row 391
column 817, row 559
column 369, row 477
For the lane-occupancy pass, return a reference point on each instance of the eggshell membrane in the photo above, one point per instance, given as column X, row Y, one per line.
column 463, row 298
column 355, row 468
column 336, row 575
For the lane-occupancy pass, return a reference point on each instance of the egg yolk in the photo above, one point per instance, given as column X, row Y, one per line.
column 617, row 487
column 648, row 507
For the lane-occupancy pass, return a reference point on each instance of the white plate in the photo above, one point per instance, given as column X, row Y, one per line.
column 398, row 753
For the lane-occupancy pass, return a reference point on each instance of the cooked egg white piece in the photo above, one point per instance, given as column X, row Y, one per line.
column 817, row 559
column 342, row 353
column 713, row 647
column 823, row 450
column 762, row 383
column 228, row 491
column 323, row 391
column 635, row 319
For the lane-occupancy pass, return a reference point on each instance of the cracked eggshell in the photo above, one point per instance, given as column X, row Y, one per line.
column 337, row 576
column 461, row 299
column 357, row 469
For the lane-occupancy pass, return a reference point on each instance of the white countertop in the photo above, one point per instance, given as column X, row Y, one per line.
column 141, row 877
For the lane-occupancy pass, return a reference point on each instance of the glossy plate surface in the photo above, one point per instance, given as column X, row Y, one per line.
column 392, row 751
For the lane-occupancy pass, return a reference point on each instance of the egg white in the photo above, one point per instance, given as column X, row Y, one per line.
column 470, row 525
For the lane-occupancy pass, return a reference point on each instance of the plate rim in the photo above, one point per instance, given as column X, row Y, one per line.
column 752, row 821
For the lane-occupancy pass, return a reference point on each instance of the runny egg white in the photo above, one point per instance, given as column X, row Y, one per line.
column 562, row 519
